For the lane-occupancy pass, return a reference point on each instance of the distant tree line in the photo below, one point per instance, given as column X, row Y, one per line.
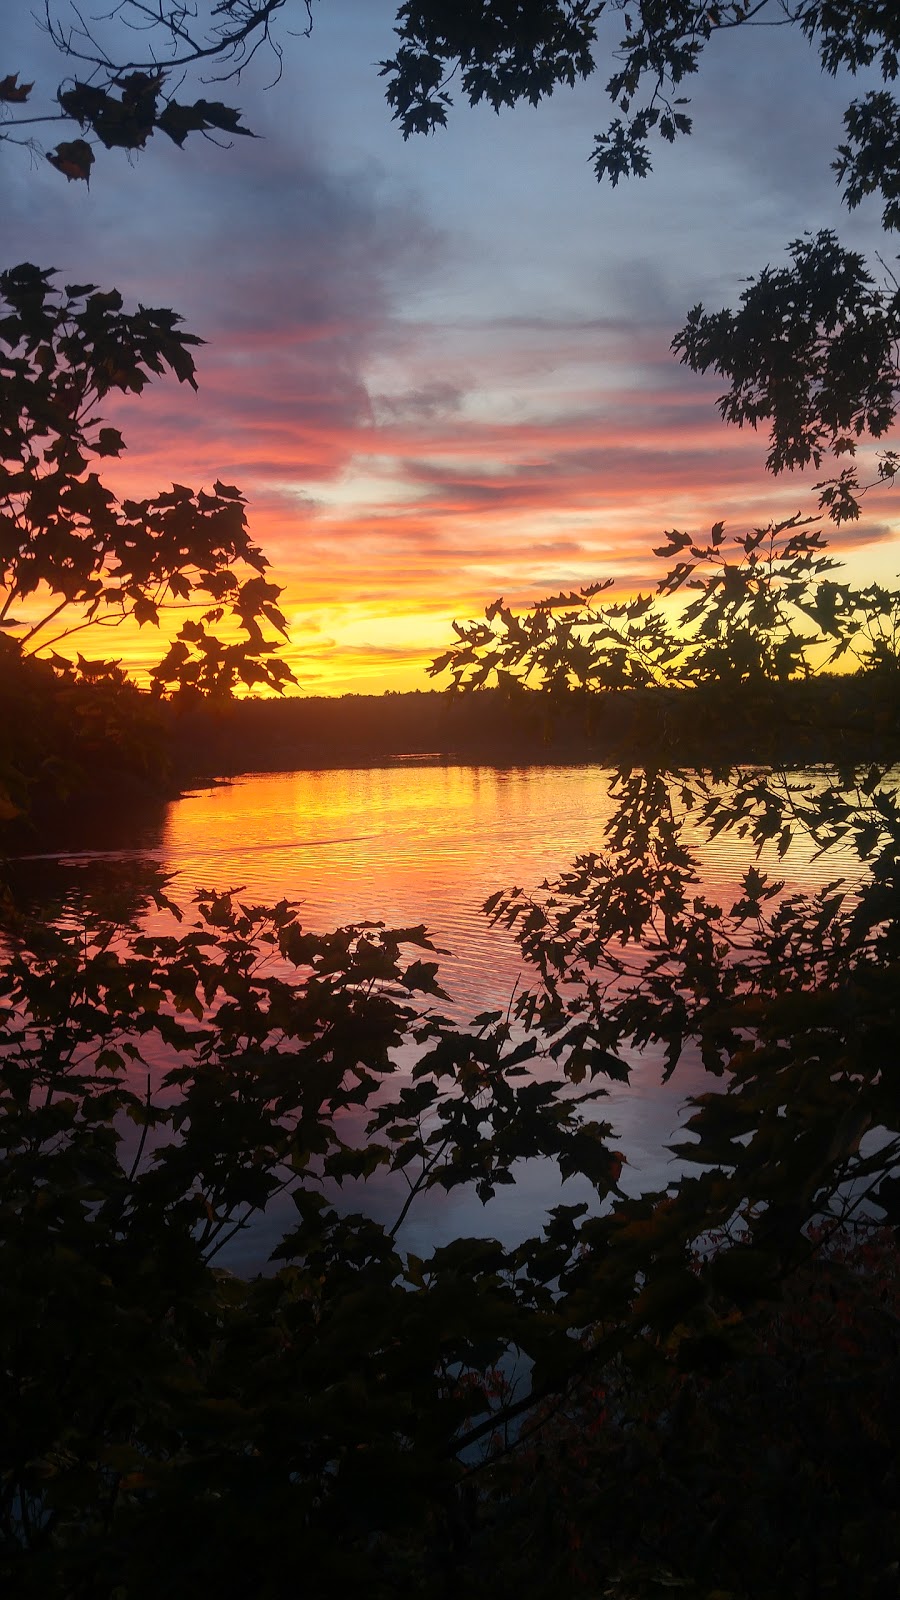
column 825, row 718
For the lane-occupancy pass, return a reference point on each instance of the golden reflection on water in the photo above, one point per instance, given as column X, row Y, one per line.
column 418, row 843
column 427, row 842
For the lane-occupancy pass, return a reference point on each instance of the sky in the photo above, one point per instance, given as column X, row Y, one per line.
column 440, row 370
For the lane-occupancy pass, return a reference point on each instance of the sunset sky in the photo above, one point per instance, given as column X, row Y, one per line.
column 440, row 370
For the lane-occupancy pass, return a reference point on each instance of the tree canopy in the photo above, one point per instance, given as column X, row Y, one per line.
column 509, row 51
column 133, row 58
column 501, row 53
column 72, row 555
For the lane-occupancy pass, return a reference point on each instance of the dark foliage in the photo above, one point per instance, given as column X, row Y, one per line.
column 829, row 717
column 813, row 352
column 131, row 61
column 72, row 554
column 72, row 734
column 391, row 1417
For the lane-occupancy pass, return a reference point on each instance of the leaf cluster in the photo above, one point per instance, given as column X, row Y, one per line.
column 757, row 608
column 785, row 996
column 71, row 553
column 503, row 53
column 339, row 1388
column 127, row 121
column 510, row 53
column 813, row 351
column 369, row 1407
column 121, row 105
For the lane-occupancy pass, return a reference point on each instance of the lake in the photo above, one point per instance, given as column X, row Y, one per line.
column 426, row 841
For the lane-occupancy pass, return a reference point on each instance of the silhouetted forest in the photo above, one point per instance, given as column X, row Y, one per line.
column 81, row 746
column 824, row 719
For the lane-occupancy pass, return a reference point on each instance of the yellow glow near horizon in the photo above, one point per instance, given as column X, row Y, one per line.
column 381, row 552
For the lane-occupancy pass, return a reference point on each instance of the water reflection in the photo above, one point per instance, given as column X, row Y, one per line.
column 426, row 843
column 403, row 845
column 419, row 844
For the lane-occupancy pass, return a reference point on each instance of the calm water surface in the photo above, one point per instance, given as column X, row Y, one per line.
column 426, row 842
column 415, row 843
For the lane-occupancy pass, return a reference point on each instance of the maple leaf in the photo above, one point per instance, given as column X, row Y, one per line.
column 73, row 158
column 12, row 90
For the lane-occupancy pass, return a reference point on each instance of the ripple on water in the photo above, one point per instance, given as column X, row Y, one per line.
column 426, row 844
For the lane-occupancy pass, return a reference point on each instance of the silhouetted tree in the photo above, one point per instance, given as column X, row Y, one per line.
column 502, row 52
column 73, row 556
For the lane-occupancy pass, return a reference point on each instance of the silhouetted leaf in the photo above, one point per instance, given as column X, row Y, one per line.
column 73, row 158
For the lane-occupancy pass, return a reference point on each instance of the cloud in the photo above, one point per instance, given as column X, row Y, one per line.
column 435, row 400
column 433, row 395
